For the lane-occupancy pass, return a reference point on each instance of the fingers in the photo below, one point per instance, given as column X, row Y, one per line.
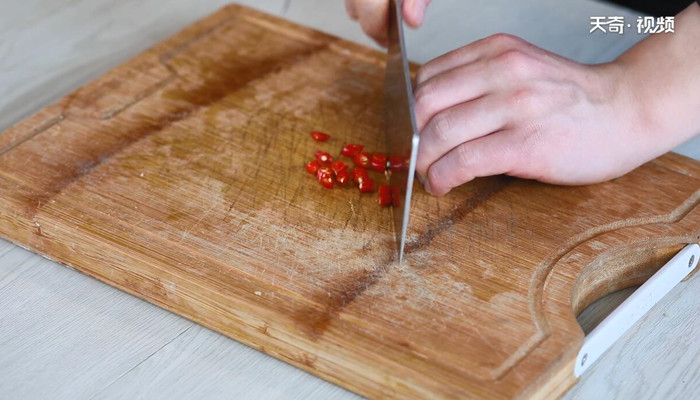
column 468, row 105
column 484, row 48
column 414, row 12
column 459, row 85
column 490, row 155
column 373, row 16
column 459, row 124
column 350, row 8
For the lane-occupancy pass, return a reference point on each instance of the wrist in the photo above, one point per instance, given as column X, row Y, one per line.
column 631, row 110
column 660, row 76
column 657, row 114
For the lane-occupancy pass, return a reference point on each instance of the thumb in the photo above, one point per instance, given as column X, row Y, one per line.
column 414, row 12
column 373, row 16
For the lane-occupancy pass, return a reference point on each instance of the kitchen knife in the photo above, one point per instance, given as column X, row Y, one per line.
column 400, row 122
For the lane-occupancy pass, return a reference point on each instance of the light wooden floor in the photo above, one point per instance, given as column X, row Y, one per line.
column 64, row 335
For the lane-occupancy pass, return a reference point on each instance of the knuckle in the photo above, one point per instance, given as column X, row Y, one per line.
column 534, row 147
column 503, row 40
column 441, row 125
column 514, row 61
column 424, row 98
column 524, row 102
column 465, row 160
column 424, row 93
column 422, row 74
column 509, row 153
column 534, row 137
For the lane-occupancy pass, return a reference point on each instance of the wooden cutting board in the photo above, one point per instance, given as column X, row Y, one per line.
column 178, row 177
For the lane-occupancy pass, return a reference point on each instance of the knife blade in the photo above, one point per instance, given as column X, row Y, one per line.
column 400, row 121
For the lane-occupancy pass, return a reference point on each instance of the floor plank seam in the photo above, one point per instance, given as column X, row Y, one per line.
column 139, row 363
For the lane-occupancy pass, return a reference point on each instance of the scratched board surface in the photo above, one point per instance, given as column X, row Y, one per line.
column 179, row 177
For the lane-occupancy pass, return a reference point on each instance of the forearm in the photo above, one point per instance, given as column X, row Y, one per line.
column 662, row 74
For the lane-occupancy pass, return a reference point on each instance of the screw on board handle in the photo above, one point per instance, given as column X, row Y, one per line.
column 632, row 309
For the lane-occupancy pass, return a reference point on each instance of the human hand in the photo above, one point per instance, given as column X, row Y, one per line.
column 373, row 15
column 503, row 106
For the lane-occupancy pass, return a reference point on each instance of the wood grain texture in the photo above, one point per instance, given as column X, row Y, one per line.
column 134, row 138
column 64, row 335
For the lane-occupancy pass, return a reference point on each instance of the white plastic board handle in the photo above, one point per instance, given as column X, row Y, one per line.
column 632, row 309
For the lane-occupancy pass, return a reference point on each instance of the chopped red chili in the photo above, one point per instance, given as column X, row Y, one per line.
column 329, row 172
column 351, row 150
column 396, row 163
column 339, row 166
column 342, row 177
column 325, row 176
column 366, row 185
column 358, row 174
column 324, row 171
column 362, row 159
column 323, row 157
column 378, row 162
column 320, row 136
column 327, row 182
column 384, row 195
column 312, row 166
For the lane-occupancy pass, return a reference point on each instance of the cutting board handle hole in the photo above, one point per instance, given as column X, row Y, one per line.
column 613, row 276
column 601, row 308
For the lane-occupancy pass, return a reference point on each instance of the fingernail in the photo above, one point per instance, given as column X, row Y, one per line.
column 410, row 11
column 426, row 185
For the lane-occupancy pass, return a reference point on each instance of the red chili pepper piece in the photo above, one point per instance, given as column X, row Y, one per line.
column 358, row 174
column 323, row 172
column 320, row 136
column 351, row 150
column 343, row 177
column 366, row 185
column 396, row 163
column 396, row 196
column 325, row 176
column 323, row 157
column 312, row 166
column 362, row 159
column 339, row 166
column 327, row 182
column 384, row 195
column 378, row 162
